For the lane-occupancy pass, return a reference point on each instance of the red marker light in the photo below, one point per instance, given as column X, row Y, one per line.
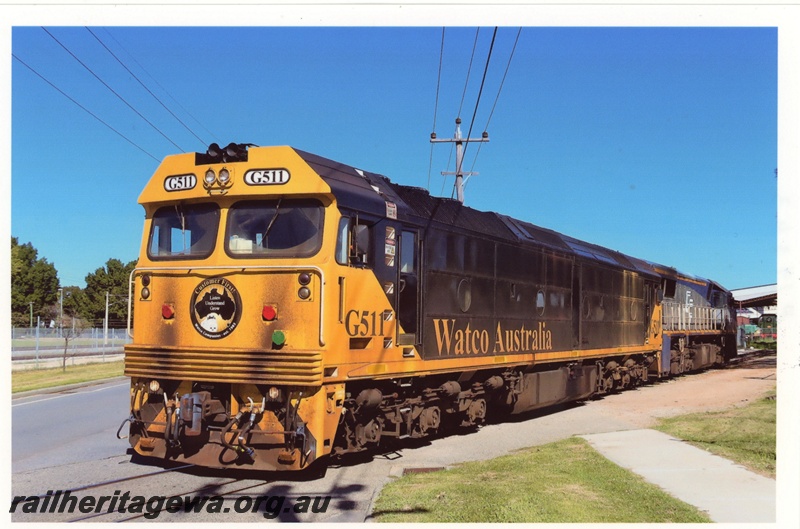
column 269, row 313
column 167, row 311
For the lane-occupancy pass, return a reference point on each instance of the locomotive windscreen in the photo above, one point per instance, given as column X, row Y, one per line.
column 275, row 228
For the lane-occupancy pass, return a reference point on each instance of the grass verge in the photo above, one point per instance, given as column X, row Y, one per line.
column 566, row 481
column 30, row 379
column 745, row 435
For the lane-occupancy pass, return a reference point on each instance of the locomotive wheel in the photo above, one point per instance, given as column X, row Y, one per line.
column 429, row 420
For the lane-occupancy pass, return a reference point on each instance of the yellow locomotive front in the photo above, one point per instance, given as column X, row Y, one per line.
column 230, row 297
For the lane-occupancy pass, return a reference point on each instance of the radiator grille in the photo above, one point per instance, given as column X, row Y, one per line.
column 235, row 365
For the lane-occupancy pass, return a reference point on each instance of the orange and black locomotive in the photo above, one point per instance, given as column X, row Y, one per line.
column 289, row 307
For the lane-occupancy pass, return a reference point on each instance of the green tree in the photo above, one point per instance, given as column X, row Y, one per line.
column 33, row 280
column 75, row 301
column 112, row 278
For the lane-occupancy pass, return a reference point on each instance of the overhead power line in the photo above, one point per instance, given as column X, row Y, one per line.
column 469, row 70
column 503, row 80
column 480, row 91
column 114, row 92
column 140, row 65
column 508, row 65
column 43, row 78
column 436, row 107
column 438, row 82
column 147, row 89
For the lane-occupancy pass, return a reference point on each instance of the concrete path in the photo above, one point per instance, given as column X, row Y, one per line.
column 724, row 490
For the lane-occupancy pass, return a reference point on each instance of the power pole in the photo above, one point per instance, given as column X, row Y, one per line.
column 61, row 315
column 459, row 141
column 105, row 324
column 38, row 324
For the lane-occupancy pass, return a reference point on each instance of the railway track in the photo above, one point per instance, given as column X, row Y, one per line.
column 753, row 358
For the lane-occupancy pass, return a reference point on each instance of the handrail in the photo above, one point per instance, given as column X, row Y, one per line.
column 189, row 270
column 679, row 316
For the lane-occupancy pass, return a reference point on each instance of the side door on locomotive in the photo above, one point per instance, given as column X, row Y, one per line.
column 391, row 250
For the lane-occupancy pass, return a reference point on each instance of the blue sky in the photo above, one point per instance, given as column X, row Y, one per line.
column 660, row 142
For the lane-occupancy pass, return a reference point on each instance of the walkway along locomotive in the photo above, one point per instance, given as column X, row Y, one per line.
column 288, row 307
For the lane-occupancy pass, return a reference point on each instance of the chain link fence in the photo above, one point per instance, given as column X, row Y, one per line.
column 45, row 342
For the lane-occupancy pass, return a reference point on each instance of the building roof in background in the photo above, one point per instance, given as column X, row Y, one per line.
column 756, row 296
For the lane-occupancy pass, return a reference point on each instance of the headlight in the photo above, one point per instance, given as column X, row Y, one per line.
column 224, row 176
column 210, row 177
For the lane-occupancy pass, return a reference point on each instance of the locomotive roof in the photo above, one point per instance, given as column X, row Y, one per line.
column 368, row 192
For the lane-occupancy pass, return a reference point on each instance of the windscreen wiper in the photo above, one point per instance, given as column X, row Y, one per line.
column 271, row 223
column 179, row 211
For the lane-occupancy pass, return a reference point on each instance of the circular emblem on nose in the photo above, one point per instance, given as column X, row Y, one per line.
column 216, row 308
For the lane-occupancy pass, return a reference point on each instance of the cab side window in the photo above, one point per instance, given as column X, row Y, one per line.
column 353, row 242
column 408, row 252
column 343, row 241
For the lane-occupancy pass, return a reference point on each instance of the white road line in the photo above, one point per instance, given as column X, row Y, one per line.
column 67, row 395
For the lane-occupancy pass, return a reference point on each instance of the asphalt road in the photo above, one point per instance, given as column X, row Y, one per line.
column 73, row 426
column 65, row 441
